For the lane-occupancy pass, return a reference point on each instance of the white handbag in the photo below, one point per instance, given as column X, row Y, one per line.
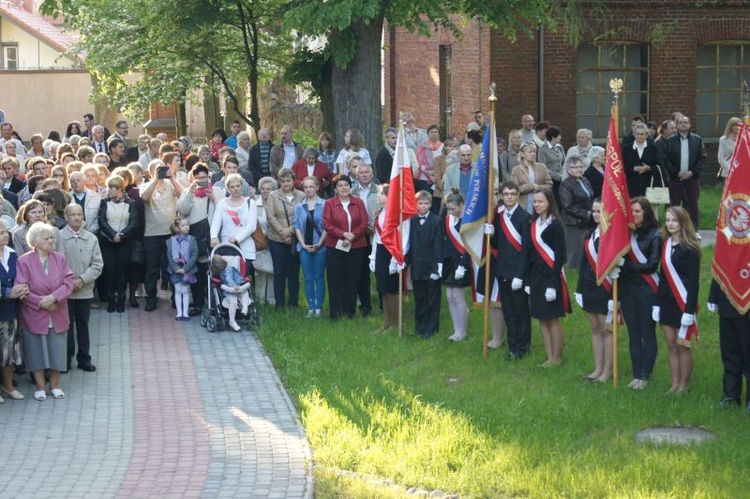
column 657, row 195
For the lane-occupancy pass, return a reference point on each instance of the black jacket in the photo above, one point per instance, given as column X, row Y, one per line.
column 253, row 163
column 511, row 263
column 649, row 242
column 425, row 246
column 575, row 203
column 696, row 155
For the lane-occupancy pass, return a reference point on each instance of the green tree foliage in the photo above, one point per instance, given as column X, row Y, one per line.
column 353, row 31
column 177, row 46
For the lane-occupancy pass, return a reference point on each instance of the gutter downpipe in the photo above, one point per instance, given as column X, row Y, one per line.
column 540, row 72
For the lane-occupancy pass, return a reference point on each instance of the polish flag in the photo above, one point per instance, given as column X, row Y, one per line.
column 401, row 204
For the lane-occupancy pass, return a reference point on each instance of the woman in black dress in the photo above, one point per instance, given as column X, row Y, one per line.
column 678, row 294
column 548, row 291
column 638, row 287
column 640, row 159
column 594, row 300
column 456, row 266
column 385, row 268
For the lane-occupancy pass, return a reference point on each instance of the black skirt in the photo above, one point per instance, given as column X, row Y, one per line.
column 539, row 307
column 595, row 298
column 387, row 283
column 449, row 274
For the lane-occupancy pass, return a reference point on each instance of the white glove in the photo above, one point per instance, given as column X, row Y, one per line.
column 460, row 272
column 440, row 270
column 550, row 294
column 434, row 277
column 372, row 265
column 400, row 266
column 655, row 313
column 579, row 299
column 614, row 273
column 516, row 284
column 712, row 307
column 610, row 312
column 621, row 262
column 687, row 320
column 610, row 306
column 393, row 267
column 527, row 290
column 489, row 229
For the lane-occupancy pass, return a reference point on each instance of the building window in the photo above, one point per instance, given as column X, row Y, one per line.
column 11, row 57
column 597, row 64
column 721, row 69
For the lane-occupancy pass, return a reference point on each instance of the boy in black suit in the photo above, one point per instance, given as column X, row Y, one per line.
column 425, row 259
column 511, row 230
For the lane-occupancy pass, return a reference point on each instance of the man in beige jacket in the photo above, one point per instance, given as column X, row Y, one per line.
column 81, row 249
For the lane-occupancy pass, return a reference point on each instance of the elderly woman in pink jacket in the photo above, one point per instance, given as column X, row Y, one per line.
column 43, row 313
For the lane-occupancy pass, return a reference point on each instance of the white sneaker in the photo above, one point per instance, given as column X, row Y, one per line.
column 310, row 313
column 317, row 312
column 234, row 326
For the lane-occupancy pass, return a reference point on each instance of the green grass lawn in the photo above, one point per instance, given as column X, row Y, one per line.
column 708, row 205
column 435, row 415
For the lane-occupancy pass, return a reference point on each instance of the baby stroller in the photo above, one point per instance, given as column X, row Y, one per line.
column 215, row 316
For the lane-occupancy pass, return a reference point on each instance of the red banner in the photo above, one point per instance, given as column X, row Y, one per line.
column 616, row 217
column 731, row 265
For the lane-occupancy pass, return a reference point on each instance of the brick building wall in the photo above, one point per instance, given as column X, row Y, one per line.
column 413, row 78
column 673, row 29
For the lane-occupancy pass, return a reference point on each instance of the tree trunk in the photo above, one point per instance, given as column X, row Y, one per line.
column 356, row 89
column 325, row 93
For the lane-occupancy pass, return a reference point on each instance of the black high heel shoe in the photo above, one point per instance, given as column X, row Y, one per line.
column 111, row 307
column 134, row 302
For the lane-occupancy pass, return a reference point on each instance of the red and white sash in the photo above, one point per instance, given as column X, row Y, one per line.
column 592, row 255
column 548, row 255
column 679, row 291
column 477, row 295
column 637, row 255
column 509, row 230
column 453, row 234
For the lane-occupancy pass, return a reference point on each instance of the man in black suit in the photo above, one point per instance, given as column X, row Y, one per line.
column 259, row 162
column 684, row 157
column 98, row 140
column 12, row 182
column 734, row 343
column 425, row 260
column 511, row 236
column 89, row 124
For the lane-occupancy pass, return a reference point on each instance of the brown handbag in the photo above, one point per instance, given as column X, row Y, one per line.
column 259, row 237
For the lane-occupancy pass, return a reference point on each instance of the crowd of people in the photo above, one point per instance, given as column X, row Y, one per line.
column 99, row 222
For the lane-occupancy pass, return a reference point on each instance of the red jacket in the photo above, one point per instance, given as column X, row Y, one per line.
column 320, row 171
column 335, row 221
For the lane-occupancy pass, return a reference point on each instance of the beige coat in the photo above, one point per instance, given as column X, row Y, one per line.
column 520, row 175
column 277, row 219
column 84, row 259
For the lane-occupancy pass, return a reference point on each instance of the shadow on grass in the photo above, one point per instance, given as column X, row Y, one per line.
column 434, row 414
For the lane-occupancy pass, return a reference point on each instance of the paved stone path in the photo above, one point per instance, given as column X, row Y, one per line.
column 173, row 411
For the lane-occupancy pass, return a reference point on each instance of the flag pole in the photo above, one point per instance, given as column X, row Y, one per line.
column 490, row 209
column 615, row 85
column 400, row 241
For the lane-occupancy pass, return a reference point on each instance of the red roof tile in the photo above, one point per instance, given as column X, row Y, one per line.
column 38, row 26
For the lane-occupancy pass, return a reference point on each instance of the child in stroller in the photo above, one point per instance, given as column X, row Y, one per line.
column 235, row 289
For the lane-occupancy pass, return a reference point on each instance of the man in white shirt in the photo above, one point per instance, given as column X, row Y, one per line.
column 87, row 199
column 98, row 140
